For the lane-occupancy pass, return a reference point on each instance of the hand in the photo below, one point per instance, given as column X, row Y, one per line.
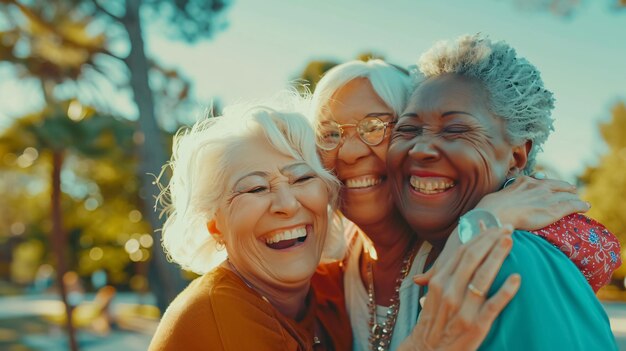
column 532, row 204
column 455, row 316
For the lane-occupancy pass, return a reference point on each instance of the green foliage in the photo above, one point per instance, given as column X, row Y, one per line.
column 100, row 201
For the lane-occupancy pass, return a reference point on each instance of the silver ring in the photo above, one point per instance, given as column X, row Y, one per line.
column 474, row 290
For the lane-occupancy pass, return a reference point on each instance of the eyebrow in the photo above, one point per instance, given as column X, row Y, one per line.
column 287, row 169
column 445, row 114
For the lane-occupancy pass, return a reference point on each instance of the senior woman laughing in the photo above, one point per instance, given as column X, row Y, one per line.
column 477, row 118
column 250, row 185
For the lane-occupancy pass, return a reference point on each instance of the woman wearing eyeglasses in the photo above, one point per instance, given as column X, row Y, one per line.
column 356, row 105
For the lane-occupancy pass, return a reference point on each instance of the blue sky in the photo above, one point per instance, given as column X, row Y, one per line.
column 267, row 43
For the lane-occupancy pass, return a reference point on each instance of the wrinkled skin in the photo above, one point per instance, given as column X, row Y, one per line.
column 455, row 149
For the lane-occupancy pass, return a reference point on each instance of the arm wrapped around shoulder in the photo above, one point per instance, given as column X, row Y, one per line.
column 587, row 243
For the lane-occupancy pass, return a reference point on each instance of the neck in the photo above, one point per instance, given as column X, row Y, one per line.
column 437, row 237
column 289, row 299
column 393, row 239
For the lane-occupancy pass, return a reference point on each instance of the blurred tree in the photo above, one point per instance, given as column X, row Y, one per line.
column 314, row 70
column 90, row 41
column 55, row 132
column 606, row 183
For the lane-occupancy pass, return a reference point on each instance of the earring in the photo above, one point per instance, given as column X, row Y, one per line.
column 508, row 182
column 219, row 245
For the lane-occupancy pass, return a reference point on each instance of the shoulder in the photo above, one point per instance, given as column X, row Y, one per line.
column 210, row 312
column 551, row 288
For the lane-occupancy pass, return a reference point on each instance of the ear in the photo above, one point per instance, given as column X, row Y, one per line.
column 520, row 158
column 211, row 226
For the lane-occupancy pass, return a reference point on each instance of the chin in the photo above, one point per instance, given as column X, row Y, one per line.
column 297, row 272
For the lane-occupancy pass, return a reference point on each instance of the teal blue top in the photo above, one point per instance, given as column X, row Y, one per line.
column 554, row 309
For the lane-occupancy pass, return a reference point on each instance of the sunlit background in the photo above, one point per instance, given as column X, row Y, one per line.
column 74, row 151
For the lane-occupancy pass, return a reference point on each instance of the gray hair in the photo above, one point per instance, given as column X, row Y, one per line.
column 199, row 162
column 390, row 83
column 514, row 85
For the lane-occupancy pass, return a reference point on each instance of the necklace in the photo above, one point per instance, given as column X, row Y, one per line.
column 380, row 334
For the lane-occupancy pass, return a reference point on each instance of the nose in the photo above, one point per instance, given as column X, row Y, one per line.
column 352, row 148
column 284, row 202
column 424, row 150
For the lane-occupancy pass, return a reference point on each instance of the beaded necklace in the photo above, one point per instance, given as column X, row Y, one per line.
column 380, row 334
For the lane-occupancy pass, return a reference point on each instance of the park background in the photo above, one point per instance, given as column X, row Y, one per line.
column 91, row 92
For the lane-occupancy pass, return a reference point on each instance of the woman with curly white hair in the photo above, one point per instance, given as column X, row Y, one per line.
column 475, row 122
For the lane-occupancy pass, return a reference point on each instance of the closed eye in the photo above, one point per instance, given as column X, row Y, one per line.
column 304, row 178
column 256, row 190
column 409, row 129
column 455, row 129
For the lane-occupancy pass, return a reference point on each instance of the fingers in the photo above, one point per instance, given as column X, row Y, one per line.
column 492, row 308
column 482, row 280
column 486, row 273
column 446, row 290
column 423, row 278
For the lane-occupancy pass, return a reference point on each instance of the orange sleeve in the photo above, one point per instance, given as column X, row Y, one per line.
column 587, row 243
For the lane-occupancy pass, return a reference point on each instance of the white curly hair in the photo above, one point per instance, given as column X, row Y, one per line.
column 199, row 164
column 514, row 86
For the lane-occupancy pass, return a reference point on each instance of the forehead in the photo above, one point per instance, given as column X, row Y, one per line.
column 353, row 101
column 448, row 92
column 255, row 155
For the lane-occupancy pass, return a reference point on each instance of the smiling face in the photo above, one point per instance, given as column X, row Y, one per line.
column 365, row 197
column 273, row 216
column 446, row 152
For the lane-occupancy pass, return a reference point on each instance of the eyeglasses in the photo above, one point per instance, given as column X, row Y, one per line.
column 371, row 131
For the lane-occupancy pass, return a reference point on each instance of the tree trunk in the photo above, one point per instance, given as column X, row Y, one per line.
column 58, row 242
column 165, row 278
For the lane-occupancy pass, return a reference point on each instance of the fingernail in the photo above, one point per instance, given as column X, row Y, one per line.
column 422, row 301
column 505, row 242
column 588, row 204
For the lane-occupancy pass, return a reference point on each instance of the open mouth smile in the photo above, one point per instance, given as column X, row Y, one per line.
column 431, row 185
column 289, row 238
column 362, row 182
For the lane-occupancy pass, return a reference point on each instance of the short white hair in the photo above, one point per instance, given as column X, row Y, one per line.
column 199, row 166
column 514, row 86
column 391, row 83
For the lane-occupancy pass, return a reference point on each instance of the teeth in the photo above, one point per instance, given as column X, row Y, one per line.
column 430, row 186
column 363, row 182
column 287, row 235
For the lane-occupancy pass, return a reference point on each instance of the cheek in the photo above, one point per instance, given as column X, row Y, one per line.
column 315, row 197
column 396, row 152
column 242, row 216
column 328, row 158
column 381, row 150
